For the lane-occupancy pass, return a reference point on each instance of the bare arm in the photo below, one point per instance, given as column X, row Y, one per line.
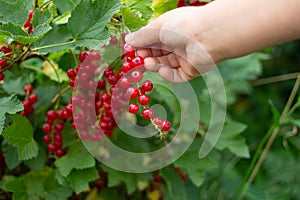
column 224, row 28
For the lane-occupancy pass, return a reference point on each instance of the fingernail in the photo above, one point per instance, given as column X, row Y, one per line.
column 129, row 37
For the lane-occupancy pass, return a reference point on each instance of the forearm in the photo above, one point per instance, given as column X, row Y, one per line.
column 239, row 27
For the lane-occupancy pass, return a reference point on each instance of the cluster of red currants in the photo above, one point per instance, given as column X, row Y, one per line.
column 29, row 101
column 3, row 61
column 181, row 3
column 28, row 22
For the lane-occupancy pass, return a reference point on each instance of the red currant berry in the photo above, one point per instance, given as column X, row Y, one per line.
column 157, row 121
column 107, row 72
column 30, row 14
column 131, row 93
column 129, row 50
column 136, row 76
column 147, row 113
column 82, row 56
column 60, row 114
column 143, row 99
column 113, row 40
column 2, row 77
column 137, row 61
column 47, row 139
column 5, row 49
column 101, row 85
column 51, row 114
column 57, row 144
column 59, row 126
column 59, row 153
column 3, row 62
column 107, row 108
column 104, row 126
column 95, row 55
column 120, row 74
column 66, row 114
column 124, row 82
column 99, row 105
column 127, row 66
column 28, row 89
column 133, row 108
column 69, row 108
column 147, row 86
column 33, row 98
column 26, row 104
column 51, row 148
column 106, row 98
column 72, row 74
column 112, row 79
column 46, row 128
column 165, row 125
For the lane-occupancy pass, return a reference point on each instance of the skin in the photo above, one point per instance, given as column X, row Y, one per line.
column 186, row 42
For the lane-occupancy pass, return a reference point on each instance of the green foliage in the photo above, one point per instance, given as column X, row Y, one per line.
column 20, row 135
column 10, row 105
column 18, row 18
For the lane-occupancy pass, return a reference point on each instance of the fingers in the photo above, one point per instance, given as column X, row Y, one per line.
column 146, row 36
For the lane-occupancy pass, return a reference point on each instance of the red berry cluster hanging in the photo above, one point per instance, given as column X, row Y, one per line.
column 28, row 22
column 29, row 100
column 181, row 3
column 3, row 61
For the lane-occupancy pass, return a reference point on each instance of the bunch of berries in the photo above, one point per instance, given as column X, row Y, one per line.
column 30, row 100
column 3, row 61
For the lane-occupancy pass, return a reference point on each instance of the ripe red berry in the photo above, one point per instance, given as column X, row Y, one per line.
column 147, row 86
column 147, row 113
column 59, row 126
column 69, row 108
column 51, row 114
column 57, row 144
column 137, row 61
column 143, row 99
column 95, row 55
column 3, row 62
column 124, row 82
column 133, row 108
column 60, row 114
column 129, row 50
column 136, row 76
column 72, row 83
column 51, row 148
column 107, row 72
column 106, row 98
column 127, row 66
column 101, row 85
column 47, row 139
column 46, row 128
column 157, row 121
column 2, row 77
column 131, row 93
column 59, row 153
column 165, row 125
column 82, row 56
column 28, row 89
column 72, row 74
column 33, row 98
column 5, row 49
column 112, row 79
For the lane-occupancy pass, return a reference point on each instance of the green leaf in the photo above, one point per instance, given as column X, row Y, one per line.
column 41, row 17
column 39, row 32
column 174, row 184
column 143, row 6
column 10, row 105
column 53, row 71
column 14, row 12
column 79, row 179
column 132, row 19
column 77, row 158
column 88, row 21
column 20, row 135
column 66, row 5
column 10, row 155
column 53, row 190
column 131, row 181
column 162, row 6
column 38, row 162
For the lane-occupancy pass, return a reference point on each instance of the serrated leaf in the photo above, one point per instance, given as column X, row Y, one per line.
column 10, row 105
column 52, row 70
column 41, row 17
column 39, row 32
column 79, row 179
column 88, row 21
column 38, row 162
column 131, row 181
column 174, row 184
column 132, row 19
column 77, row 158
column 20, row 135
column 14, row 12
column 10, row 155
column 143, row 6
